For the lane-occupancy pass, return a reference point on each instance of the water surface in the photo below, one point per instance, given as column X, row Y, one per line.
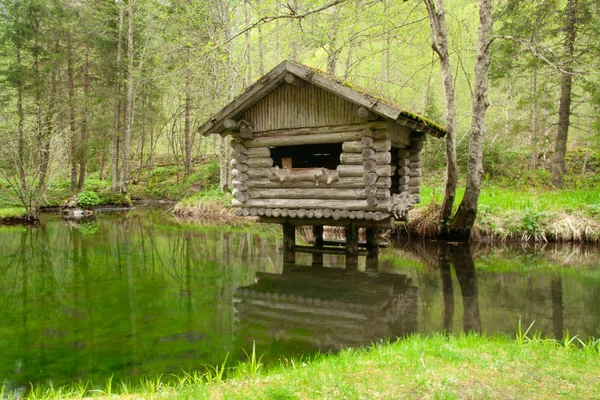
column 137, row 294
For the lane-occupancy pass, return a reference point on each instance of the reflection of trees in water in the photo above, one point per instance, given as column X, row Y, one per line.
column 134, row 294
column 510, row 283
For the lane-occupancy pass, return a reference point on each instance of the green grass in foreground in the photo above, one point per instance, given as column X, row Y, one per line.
column 440, row 367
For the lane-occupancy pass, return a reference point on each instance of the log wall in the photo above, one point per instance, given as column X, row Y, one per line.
column 379, row 160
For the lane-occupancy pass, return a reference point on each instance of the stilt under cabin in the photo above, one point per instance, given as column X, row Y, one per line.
column 310, row 150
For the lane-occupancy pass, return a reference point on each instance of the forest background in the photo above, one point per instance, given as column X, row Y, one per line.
column 104, row 97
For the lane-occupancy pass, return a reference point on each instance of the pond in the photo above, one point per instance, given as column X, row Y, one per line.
column 136, row 294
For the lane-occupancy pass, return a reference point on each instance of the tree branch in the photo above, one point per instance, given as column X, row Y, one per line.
column 292, row 15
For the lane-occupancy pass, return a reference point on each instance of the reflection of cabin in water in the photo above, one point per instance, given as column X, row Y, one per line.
column 310, row 150
column 325, row 308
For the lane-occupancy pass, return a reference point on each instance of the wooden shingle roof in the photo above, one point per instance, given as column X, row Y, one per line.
column 288, row 71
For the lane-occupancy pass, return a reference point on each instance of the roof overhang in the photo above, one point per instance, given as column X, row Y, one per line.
column 288, row 70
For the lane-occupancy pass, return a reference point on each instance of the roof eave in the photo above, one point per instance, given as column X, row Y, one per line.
column 276, row 76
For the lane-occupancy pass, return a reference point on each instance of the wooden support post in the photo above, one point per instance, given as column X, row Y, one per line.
column 317, row 259
column 372, row 249
column 351, row 247
column 289, row 243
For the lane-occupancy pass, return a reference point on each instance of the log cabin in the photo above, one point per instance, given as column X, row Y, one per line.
column 309, row 149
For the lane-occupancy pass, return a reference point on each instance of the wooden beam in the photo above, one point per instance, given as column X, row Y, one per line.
column 379, row 129
column 352, row 182
column 318, row 245
column 294, row 80
column 351, row 246
column 365, row 113
column 318, row 138
column 382, row 205
column 289, row 242
column 372, row 249
column 231, row 125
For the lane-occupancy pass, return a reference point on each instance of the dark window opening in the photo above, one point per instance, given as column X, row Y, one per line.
column 307, row 156
column 395, row 188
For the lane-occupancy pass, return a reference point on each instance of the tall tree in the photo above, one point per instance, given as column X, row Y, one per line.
column 129, row 102
column 462, row 223
column 439, row 41
column 564, row 108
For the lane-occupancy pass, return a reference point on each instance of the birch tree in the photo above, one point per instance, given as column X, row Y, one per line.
column 439, row 43
column 460, row 227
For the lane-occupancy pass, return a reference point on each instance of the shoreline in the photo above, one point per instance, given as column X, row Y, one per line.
column 416, row 366
column 423, row 225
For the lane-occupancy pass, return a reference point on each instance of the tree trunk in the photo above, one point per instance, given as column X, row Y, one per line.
column 385, row 64
column 225, row 166
column 48, row 126
column 20, row 129
column 84, row 120
column 261, row 56
column 187, row 128
column 124, row 181
column 564, row 108
column 439, row 35
column 117, row 106
column 534, row 119
column 73, row 137
column 461, row 258
column 460, row 227
column 331, row 49
column 248, row 47
column 294, row 45
column 44, row 149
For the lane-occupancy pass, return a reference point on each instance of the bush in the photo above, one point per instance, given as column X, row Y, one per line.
column 108, row 197
column 88, row 199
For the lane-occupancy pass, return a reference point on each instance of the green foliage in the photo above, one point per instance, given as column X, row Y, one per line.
column 168, row 181
column 532, row 219
column 88, row 199
column 96, row 185
column 108, row 197
column 12, row 212
column 206, row 174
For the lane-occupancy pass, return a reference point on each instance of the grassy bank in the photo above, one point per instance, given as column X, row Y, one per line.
column 537, row 214
column 417, row 367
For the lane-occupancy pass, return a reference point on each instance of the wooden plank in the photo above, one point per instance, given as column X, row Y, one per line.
column 358, row 170
column 258, row 152
column 358, row 159
column 318, row 138
column 361, row 99
column 379, row 128
column 286, row 162
column 387, row 223
column 260, row 162
column 382, row 205
column 308, row 193
column 250, row 97
column 258, row 172
column 399, row 134
column 367, row 143
column 341, row 183
column 326, row 250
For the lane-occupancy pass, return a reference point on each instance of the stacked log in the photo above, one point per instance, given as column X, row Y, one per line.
column 414, row 158
column 359, row 188
column 318, row 213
